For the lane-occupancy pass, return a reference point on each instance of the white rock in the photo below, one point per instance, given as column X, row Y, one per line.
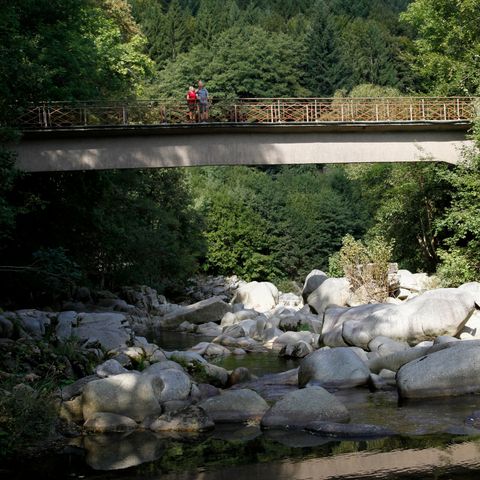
column 260, row 296
column 332, row 292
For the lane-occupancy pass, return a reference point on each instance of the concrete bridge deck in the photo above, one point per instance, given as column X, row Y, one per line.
column 86, row 137
column 222, row 144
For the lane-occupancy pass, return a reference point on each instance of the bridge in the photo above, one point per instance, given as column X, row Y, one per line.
column 65, row 136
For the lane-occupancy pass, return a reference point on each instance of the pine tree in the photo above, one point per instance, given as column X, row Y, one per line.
column 325, row 70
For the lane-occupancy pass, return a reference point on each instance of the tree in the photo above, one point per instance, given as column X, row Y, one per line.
column 245, row 62
column 446, row 50
column 461, row 224
column 373, row 58
column 325, row 71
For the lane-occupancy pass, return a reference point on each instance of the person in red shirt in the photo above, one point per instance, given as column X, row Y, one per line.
column 192, row 103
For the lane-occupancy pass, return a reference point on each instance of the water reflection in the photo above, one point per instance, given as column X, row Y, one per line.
column 455, row 461
column 114, row 452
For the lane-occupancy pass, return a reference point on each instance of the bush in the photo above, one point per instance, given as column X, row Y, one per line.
column 366, row 266
column 455, row 269
column 27, row 416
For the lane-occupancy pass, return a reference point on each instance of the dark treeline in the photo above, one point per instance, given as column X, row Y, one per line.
column 105, row 229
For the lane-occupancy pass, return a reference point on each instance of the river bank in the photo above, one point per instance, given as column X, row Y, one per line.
column 249, row 364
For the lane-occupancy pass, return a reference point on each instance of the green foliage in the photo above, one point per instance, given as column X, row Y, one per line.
column 59, row 273
column 120, row 227
column 245, row 62
column 460, row 224
column 366, row 266
column 335, row 269
column 27, row 415
column 68, row 49
column 456, row 268
column 445, row 53
column 325, row 70
column 405, row 201
column 8, row 175
column 274, row 223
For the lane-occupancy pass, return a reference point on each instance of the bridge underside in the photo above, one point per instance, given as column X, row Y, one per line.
column 220, row 144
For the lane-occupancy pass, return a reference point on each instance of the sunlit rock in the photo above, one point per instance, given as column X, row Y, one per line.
column 129, row 394
column 101, row 422
column 260, row 296
column 332, row 292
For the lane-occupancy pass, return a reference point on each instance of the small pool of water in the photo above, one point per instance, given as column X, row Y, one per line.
column 257, row 363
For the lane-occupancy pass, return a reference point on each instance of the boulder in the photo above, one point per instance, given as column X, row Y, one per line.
column 128, row 394
column 386, row 346
column 175, row 385
column 290, row 300
column 190, row 419
column 292, row 338
column 6, row 327
column 455, row 370
column 298, row 409
column 144, row 298
column 210, row 310
column 244, row 328
column 298, row 350
column 314, row 279
column 415, row 282
column 65, row 323
column 34, row 322
column 472, row 327
column 160, row 366
column 185, row 357
column 235, row 406
column 210, row 350
column 395, row 360
column 331, row 334
column 213, row 374
column 349, row 430
column 332, row 292
column 76, row 388
column 109, row 368
column 239, row 375
column 434, row 313
column 71, row 410
column 473, row 288
column 109, row 330
column 101, row 422
column 336, row 367
column 260, row 296
column 209, row 329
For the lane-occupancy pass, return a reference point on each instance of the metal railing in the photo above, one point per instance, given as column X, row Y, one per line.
column 50, row 115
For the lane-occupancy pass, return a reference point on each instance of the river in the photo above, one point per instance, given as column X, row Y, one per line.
column 432, row 442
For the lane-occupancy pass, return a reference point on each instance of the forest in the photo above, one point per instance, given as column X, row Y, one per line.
column 160, row 227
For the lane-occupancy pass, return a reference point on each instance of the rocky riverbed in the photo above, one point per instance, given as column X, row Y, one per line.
column 360, row 366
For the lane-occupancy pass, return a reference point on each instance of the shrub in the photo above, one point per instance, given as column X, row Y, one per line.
column 455, row 268
column 27, row 416
column 366, row 266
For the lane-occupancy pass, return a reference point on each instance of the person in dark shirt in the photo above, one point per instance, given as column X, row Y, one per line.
column 202, row 96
